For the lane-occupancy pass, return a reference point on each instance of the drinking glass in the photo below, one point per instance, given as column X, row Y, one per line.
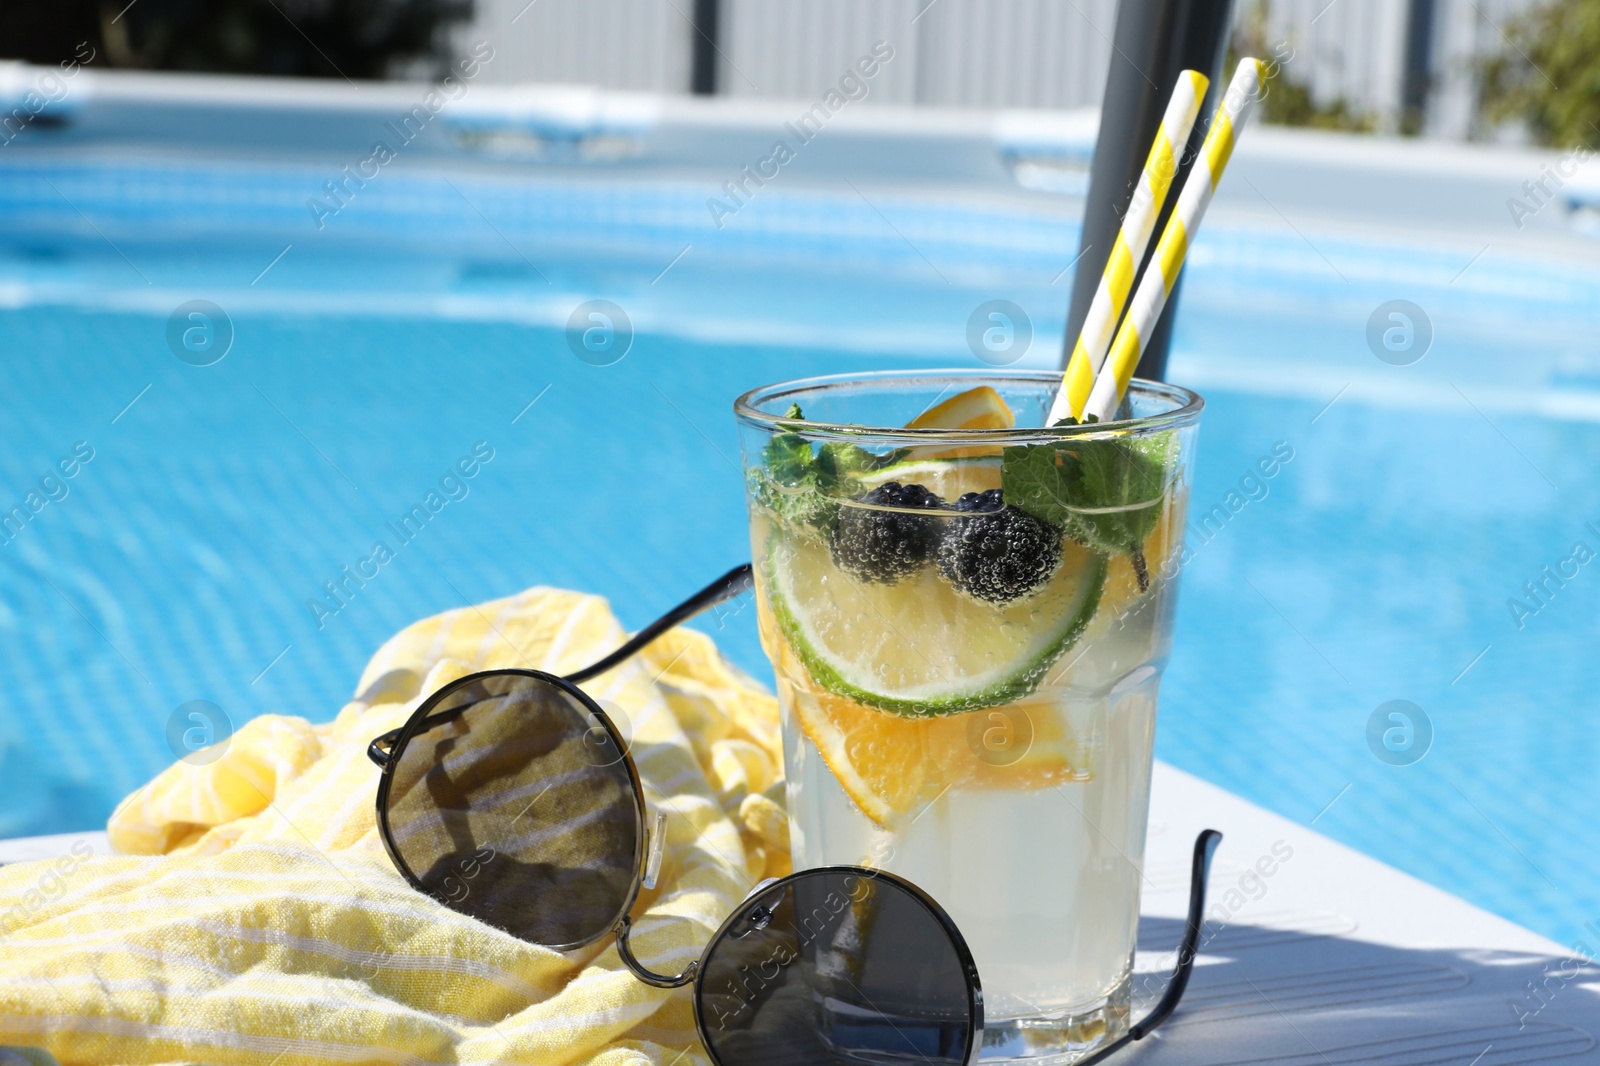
column 968, row 628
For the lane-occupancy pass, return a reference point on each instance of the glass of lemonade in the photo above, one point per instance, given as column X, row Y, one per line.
column 968, row 615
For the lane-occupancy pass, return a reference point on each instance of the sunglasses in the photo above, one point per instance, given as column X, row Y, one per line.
column 510, row 796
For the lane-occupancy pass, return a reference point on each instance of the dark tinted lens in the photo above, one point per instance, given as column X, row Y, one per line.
column 838, row 966
column 513, row 804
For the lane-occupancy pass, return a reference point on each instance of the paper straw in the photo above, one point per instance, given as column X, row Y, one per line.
column 1128, row 251
column 1150, row 298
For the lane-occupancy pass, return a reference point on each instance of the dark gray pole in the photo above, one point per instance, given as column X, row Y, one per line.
column 1155, row 41
column 703, row 64
column 1418, row 74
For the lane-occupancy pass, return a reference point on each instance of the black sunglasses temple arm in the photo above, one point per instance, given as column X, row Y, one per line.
column 1205, row 847
column 736, row 581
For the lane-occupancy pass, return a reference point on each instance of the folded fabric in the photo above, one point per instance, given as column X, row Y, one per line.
column 254, row 917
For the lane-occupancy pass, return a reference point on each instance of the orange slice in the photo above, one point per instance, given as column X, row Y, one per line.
column 1021, row 746
column 890, row 766
column 979, row 408
column 880, row 760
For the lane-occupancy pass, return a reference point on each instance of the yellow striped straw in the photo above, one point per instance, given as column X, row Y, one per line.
column 1128, row 251
column 1156, row 285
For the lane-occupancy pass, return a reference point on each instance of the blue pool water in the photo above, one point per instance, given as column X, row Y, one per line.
column 370, row 356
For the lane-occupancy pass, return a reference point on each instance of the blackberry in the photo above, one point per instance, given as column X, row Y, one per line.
column 886, row 546
column 996, row 553
column 977, row 502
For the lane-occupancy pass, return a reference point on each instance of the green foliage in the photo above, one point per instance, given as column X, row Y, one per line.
column 302, row 38
column 1289, row 103
column 1548, row 76
column 1285, row 101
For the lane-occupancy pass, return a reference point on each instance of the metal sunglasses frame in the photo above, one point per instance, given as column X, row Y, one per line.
column 385, row 749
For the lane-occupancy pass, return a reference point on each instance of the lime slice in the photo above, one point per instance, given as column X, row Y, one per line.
column 918, row 648
column 949, row 479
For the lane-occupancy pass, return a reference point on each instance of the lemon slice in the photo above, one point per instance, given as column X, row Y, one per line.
column 918, row 648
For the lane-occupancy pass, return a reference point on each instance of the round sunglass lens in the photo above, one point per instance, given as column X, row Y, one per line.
column 839, row 966
column 514, row 803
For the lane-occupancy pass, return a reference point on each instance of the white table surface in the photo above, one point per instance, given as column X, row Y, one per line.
column 1332, row 959
column 1338, row 959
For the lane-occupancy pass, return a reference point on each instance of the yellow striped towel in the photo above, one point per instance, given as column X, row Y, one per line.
column 254, row 918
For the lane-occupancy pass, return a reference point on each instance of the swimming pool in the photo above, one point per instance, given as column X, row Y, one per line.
column 427, row 318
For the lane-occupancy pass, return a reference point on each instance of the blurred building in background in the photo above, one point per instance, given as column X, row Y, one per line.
column 1386, row 65
column 1395, row 66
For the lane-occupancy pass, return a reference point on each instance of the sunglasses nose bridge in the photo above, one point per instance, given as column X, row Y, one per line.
column 655, row 850
column 648, row 976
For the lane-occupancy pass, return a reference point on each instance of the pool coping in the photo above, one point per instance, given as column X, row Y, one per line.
column 1383, row 188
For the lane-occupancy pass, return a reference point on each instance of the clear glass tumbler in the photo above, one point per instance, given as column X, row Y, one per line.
column 968, row 616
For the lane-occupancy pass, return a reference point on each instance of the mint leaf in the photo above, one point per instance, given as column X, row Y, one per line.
column 787, row 456
column 789, row 482
column 1106, row 492
column 838, row 461
column 788, row 459
column 1033, row 479
column 800, row 485
column 799, row 504
column 1116, row 487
